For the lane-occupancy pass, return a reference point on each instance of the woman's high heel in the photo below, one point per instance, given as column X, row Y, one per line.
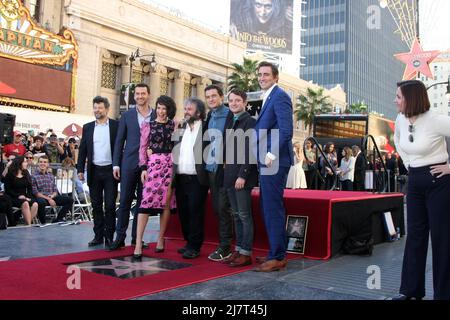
column 137, row 257
column 160, row 250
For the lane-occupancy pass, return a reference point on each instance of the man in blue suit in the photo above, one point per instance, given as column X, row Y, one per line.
column 274, row 130
column 126, row 161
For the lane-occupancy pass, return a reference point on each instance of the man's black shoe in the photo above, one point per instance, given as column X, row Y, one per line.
column 95, row 242
column 116, row 245
column 191, row 254
column 108, row 242
column 182, row 250
column 144, row 245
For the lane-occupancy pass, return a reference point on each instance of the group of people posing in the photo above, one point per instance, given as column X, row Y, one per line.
column 170, row 165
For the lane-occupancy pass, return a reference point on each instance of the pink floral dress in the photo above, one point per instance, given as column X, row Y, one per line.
column 157, row 137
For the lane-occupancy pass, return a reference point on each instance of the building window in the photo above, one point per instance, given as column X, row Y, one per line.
column 109, row 75
column 35, row 9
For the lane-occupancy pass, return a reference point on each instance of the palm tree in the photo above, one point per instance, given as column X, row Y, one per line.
column 358, row 107
column 244, row 77
column 311, row 104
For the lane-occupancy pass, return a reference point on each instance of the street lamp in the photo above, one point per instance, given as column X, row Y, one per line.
column 137, row 55
column 447, row 94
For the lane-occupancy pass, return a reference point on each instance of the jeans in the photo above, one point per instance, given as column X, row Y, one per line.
column 241, row 204
column 221, row 206
column 64, row 201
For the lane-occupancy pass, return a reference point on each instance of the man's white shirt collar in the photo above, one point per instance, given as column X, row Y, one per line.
column 268, row 92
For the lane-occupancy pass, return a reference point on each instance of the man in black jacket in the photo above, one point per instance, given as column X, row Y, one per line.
column 240, row 176
column 191, row 180
column 97, row 147
column 360, row 169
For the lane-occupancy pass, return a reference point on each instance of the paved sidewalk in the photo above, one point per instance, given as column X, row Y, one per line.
column 341, row 278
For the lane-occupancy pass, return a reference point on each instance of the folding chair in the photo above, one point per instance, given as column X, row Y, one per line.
column 82, row 209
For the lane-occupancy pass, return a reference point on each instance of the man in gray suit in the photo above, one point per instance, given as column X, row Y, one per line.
column 126, row 161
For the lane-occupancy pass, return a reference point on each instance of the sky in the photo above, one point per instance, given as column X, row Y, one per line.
column 215, row 14
column 435, row 24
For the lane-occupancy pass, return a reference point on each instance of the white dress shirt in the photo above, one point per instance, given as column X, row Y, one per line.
column 266, row 94
column 428, row 146
column 186, row 162
column 102, row 145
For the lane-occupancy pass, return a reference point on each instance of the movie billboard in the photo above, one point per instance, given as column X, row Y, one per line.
column 264, row 25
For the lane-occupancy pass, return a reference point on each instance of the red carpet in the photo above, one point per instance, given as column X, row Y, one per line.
column 46, row 278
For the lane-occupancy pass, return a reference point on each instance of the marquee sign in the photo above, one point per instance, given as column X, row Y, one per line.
column 21, row 39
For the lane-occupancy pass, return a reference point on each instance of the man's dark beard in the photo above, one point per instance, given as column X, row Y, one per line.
column 192, row 119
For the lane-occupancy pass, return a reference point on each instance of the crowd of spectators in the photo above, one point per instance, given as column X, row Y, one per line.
column 20, row 200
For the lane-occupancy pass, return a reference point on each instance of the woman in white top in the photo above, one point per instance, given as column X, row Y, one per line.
column 347, row 169
column 420, row 140
column 296, row 178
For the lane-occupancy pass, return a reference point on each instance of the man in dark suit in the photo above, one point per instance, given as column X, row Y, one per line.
column 126, row 162
column 360, row 169
column 191, row 179
column 97, row 147
column 274, row 131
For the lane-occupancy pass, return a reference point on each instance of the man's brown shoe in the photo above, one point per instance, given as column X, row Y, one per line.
column 261, row 260
column 271, row 265
column 231, row 258
column 241, row 261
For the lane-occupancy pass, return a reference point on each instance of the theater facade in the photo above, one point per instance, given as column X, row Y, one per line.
column 40, row 66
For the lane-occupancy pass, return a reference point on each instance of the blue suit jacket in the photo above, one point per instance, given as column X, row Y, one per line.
column 276, row 114
column 129, row 134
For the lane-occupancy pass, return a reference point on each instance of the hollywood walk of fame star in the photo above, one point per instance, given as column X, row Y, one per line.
column 122, row 268
column 417, row 61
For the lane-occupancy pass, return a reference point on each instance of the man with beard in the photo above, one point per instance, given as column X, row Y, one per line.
column 191, row 180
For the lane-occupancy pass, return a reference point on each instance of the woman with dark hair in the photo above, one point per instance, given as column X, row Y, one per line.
column 326, row 171
column 18, row 187
column 155, row 160
column 420, row 140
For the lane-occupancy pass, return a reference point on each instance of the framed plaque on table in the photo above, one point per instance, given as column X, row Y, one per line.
column 296, row 229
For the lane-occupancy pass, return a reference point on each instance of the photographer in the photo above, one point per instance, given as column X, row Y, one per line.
column 71, row 150
column 38, row 145
column 53, row 149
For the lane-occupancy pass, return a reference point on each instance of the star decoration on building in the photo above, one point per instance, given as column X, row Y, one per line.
column 122, row 268
column 417, row 61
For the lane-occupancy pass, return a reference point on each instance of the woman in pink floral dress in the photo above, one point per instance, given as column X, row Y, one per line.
column 155, row 160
